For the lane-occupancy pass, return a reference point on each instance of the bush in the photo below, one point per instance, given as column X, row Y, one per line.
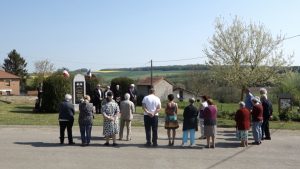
column 91, row 84
column 54, row 89
column 285, row 115
column 295, row 117
column 275, row 118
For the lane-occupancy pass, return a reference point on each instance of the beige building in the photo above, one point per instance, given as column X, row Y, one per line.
column 9, row 84
column 162, row 87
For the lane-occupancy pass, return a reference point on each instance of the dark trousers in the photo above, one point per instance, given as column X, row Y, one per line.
column 63, row 125
column 265, row 128
column 151, row 123
column 85, row 132
column 98, row 107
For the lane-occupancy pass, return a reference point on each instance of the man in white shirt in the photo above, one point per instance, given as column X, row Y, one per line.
column 151, row 107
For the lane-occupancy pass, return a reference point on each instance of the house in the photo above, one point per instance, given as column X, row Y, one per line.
column 183, row 94
column 162, row 87
column 9, row 84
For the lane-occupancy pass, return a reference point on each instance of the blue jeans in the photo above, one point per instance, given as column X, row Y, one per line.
column 185, row 136
column 85, row 132
column 256, row 130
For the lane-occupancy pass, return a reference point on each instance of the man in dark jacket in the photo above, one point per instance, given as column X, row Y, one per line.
column 97, row 99
column 66, row 119
column 267, row 115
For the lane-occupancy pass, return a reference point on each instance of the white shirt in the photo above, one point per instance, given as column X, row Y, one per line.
column 152, row 102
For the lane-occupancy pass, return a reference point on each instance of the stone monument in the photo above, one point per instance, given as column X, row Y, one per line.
column 79, row 90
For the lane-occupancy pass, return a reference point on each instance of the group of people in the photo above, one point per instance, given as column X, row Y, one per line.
column 111, row 108
column 258, row 110
column 117, row 114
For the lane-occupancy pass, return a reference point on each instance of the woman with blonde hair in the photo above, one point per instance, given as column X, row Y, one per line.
column 85, row 120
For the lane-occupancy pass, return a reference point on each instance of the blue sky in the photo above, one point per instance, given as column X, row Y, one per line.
column 101, row 34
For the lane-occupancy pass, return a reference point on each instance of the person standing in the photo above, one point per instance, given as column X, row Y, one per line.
column 171, row 122
column 242, row 118
column 110, row 113
column 190, row 115
column 117, row 94
column 201, row 119
column 133, row 94
column 257, row 118
column 210, row 123
column 151, row 106
column 127, row 109
column 66, row 119
column 98, row 97
column 85, row 120
column 106, row 91
column 267, row 115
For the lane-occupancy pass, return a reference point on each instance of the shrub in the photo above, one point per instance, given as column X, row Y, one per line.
column 275, row 118
column 295, row 117
column 285, row 115
column 91, row 84
column 54, row 89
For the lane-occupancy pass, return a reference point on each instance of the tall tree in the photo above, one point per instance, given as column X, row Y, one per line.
column 44, row 67
column 16, row 65
column 245, row 55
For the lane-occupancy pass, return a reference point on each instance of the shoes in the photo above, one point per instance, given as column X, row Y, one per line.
column 193, row 145
column 83, row 144
column 147, row 144
column 154, row 144
column 114, row 144
column 106, row 144
column 71, row 143
column 268, row 138
column 184, row 145
column 256, row 143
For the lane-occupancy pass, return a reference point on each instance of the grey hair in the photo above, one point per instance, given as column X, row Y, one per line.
column 127, row 96
column 242, row 104
column 68, row 97
column 263, row 91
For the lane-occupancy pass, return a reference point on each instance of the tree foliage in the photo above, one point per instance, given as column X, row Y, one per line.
column 291, row 85
column 54, row 89
column 16, row 65
column 44, row 67
column 245, row 55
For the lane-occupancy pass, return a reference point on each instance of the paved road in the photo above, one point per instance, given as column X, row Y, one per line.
column 32, row 147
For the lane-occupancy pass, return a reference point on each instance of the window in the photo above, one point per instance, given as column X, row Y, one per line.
column 7, row 82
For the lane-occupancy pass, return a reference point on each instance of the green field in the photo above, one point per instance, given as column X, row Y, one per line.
column 108, row 75
column 22, row 114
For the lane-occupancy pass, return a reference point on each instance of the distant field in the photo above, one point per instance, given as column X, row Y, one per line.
column 108, row 75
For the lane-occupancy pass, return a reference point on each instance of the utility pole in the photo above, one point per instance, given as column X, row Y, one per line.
column 151, row 77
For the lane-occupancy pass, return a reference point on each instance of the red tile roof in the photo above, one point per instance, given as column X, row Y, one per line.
column 147, row 81
column 6, row 75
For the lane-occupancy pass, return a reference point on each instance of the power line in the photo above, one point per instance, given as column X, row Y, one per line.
column 291, row 37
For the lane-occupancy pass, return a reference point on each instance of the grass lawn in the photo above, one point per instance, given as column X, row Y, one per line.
column 22, row 114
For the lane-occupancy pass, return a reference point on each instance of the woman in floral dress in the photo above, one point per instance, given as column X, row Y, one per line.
column 110, row 115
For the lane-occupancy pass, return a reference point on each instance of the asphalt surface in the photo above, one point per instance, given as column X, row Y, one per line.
column 36, row 147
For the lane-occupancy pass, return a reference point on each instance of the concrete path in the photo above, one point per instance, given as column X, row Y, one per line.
column 35, row 147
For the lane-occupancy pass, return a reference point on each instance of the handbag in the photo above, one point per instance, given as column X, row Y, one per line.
column 172, row 118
